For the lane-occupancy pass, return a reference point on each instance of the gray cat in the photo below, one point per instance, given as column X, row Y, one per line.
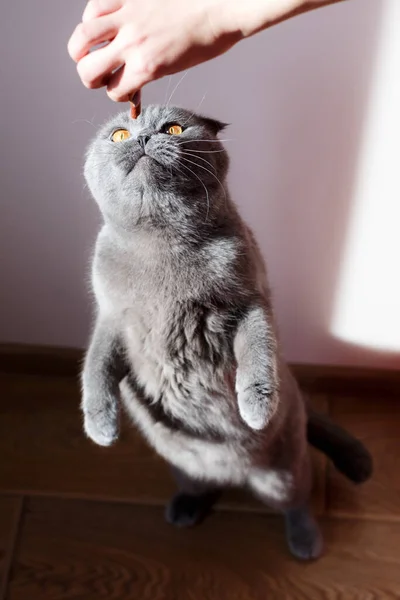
column 185, row 335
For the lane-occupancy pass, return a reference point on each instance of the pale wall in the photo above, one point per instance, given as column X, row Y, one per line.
column 294, row 153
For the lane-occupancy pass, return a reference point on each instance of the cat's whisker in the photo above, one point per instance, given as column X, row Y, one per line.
column 204, row 186
column 200, row 103
column 83, row 121
column 197, row 108
column 206, row 151
column 176, row 87
column 167, row 90
column 198, row 158
column 213, row 174
column 218, row 141
column 208, row 171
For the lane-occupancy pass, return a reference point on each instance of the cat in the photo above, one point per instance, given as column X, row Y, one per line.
column 185, row 335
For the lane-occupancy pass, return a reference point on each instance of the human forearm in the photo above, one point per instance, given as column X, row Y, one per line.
column 252, row 16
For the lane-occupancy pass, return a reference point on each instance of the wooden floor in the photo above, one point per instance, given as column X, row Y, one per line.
column 78, row 522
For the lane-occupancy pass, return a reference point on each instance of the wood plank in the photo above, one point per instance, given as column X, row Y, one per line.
column 10, row 508
column 360, row 381
column 54, row 361
column 376, row 421
column 79, row 550
column 44, row 451
column 26, row 359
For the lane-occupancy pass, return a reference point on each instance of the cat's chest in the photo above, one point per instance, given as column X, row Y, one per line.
column 178, row 351
column 126, row 281
column 112, row 286
column 148, row 287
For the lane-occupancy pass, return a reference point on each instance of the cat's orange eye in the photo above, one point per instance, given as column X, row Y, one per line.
column 120, row 135
column 174, row 130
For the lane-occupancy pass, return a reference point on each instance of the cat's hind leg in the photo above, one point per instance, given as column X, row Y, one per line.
column 193, row 501
column 289, row 492
column 303, row 533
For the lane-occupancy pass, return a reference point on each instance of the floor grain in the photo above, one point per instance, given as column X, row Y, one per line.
column 376, row 421
column 41, row 431
column 72, row 546
column 87, row 551
column 10, row 512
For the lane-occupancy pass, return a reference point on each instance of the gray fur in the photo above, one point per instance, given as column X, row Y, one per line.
column 185, row 334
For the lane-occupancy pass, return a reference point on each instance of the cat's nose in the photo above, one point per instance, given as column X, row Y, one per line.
column 142, row 140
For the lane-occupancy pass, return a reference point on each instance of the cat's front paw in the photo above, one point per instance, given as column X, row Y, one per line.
column 257, row 405
column 101, row 425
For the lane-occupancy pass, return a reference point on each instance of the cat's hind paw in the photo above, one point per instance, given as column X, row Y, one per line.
column 185, row 510
column 303, row 535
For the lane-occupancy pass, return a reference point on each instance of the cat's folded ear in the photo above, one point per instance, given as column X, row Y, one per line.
column 214, row 125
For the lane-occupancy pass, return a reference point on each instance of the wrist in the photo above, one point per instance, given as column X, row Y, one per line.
column 248, row 17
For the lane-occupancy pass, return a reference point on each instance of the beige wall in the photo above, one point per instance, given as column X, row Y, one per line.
column 294, row 149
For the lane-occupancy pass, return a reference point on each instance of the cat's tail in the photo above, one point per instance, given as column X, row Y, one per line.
column 348, row 454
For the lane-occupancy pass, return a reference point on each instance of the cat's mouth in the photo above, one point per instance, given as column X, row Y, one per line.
column 138, row 163
column 149, row 161
column 145, row 163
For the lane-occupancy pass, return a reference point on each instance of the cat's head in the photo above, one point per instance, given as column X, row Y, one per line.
column 166, row 165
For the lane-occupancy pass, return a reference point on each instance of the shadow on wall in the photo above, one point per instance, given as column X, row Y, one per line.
column 314, row 142
column 317, row 145
column 310, row 125
column 296, row 97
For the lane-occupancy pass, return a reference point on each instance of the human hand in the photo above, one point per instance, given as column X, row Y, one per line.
column 148, row 39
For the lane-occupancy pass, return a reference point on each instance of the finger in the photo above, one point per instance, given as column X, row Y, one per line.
column 123, row 84
column 89, row 34
column 132, row 77
column 112, row 87
column 98, row 8
column 95, row 68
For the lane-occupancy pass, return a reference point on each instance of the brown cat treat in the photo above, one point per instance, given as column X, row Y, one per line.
column 136, row 105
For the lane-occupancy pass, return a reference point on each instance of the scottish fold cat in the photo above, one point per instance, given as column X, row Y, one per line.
column 185, row 335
